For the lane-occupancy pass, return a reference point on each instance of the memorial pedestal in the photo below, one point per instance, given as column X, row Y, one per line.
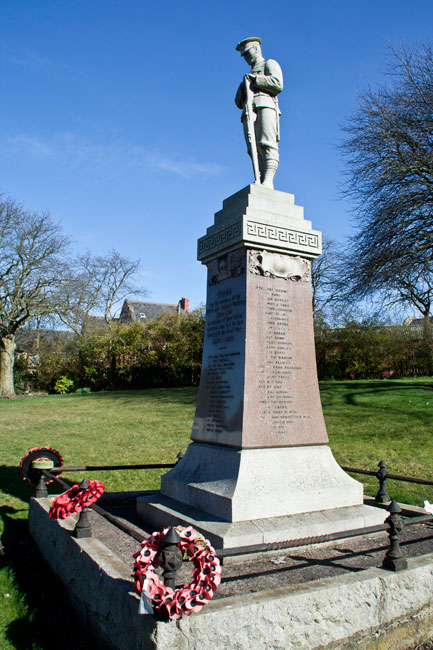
column 259, row 460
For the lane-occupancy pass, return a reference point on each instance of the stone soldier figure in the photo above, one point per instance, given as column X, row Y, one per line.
column 257, row 98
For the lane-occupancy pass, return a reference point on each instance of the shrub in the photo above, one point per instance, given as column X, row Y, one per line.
column 55, row 358
column 369, row 349
column 163, row 352
column 63, row 385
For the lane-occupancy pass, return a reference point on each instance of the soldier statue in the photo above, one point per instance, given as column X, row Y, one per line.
column 257, row 98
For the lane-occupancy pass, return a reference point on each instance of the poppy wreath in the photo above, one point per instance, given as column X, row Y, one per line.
column 75, row 500
column 191, row 597
column 38, row 453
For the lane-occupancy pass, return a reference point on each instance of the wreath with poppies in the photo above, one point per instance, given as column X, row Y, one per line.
column 75, row 500
column 185, row 600
column 48, row 454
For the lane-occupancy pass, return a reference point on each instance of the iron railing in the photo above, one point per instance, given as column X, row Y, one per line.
column 393, row 525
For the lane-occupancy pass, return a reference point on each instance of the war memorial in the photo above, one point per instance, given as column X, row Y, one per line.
column 259, row 469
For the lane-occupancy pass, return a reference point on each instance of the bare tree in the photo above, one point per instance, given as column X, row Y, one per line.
column 118, row 273
column 325, row 278
column 31, row 251
column 389, row 153
column 415, row 287
column 94, row 285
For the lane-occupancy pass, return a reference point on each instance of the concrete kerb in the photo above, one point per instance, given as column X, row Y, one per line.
column 373, row 609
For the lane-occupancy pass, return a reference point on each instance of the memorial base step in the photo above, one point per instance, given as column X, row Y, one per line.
column 159, row 511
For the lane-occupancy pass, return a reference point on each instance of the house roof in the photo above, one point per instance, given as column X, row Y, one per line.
column 416, row 322
column 141, row 311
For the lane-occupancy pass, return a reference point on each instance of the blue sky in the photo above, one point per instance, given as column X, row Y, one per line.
column 117, row 117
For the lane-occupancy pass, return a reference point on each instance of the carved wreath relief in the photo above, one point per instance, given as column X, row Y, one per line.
column 275, row 265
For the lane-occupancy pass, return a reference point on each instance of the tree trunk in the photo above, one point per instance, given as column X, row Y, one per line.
column 7, row 355
column 428, row 343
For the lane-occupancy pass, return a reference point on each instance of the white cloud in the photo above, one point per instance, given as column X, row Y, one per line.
column 106, row 160
column 184, row 168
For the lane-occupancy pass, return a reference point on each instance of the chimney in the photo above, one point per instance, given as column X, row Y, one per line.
column 184, row 304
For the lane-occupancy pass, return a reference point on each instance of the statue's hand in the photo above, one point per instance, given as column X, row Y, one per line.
column 251, row 76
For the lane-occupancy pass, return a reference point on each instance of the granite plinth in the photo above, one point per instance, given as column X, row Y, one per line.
column 237, row 485
column 260, row 217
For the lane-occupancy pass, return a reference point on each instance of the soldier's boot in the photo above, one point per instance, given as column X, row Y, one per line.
column 270, row 169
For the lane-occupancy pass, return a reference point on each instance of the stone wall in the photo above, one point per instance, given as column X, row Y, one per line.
column 369, row 610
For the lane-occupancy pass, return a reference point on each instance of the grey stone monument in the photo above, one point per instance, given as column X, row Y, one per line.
column 259, row 468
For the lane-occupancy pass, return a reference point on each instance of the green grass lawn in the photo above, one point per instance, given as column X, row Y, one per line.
column 366, row 421
column 386, row 419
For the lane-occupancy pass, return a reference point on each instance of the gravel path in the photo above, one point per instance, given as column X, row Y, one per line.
column 286, row 567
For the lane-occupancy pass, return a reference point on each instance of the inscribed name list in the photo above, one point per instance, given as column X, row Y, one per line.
column 219, row 410
column 281, row 397
column 259, row 383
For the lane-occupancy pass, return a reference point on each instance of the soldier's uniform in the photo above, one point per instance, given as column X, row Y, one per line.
column 266, row 86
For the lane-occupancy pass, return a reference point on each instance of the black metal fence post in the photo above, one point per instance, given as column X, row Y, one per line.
column 171, row 557
column 82, row 527
column 394, row 559
column 382, row 496
column 41, row 490
column 37, row 467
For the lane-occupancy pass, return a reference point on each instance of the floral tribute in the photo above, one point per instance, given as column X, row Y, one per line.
column 40, row 454
column 428, row 507
column 75, row 500
column 191, row 597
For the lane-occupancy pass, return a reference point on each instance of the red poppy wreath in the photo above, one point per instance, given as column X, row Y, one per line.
column 75, row 500
column 191, row 597
column 40, row 454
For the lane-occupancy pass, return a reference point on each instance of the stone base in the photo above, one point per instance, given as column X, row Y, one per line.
column 159, row 511
column 367, row 610
column 239, row 497
column 237, row 485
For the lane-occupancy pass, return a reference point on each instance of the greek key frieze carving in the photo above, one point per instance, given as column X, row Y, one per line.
column 277, row 233
column 219, row 238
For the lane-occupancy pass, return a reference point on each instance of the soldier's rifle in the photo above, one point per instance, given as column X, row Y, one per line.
column 251, row 117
